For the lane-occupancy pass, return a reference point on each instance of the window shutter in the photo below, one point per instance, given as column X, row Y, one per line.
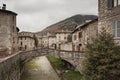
column 114, row 29
column 118, row 28
column 110, row 4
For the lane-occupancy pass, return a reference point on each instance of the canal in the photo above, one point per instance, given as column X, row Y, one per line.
column 39, row 69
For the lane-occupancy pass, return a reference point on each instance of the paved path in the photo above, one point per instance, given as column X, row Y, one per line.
column 43, row 70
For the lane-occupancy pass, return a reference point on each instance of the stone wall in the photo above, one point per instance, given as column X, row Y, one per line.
column 8, row 33
column 10, row 68
column 107, row 17
column 66, row 46
column 73, row 57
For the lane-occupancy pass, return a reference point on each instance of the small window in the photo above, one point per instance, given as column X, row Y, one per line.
column 113, row 3
column 110, row 4
column 21, row 43
column 116, row 29
column 13, row 29
column 75, row 37
column 25, row 46
column 65, row 38
column 80, row 34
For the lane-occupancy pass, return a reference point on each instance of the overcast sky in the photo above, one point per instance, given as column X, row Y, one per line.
column 35, row 15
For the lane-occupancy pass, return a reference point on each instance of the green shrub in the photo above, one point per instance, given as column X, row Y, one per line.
column 102, row 60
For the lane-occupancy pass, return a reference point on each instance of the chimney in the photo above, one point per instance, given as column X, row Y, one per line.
column 4, row 7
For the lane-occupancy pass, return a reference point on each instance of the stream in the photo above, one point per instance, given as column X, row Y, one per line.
column 39, row 69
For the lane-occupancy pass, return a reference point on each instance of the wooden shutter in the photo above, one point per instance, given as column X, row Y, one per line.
column 118, row 28
column 110, row 4
column 114, row 29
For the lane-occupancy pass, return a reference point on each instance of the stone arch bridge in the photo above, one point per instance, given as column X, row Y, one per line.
column 74, row 58
column 12, row 67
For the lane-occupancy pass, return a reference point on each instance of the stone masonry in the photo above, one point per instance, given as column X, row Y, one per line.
column 108, row 15
column 8, row 32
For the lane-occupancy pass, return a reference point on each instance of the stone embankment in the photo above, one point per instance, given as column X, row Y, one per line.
column 10, row 68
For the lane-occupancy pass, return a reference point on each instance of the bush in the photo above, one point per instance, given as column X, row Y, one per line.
column 102, row 60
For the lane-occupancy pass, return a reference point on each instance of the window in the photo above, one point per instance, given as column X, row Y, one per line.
column 65, row 38
column 113, row 3
column 110, row 4
column 75, row 37
column 80, row 34
column 116, row 3
column 13, row 40
column 116, row 29
column 21, row 43
column 25, row 46
column 13, row 29
column 13, row 18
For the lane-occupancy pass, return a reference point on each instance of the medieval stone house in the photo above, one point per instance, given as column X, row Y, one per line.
column 8, row 32
column 52, row 41
column 84, row 34
column 62, row 37
column 26, row 41
column 109, row 17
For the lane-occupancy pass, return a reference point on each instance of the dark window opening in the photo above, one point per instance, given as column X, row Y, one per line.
column 80, row 34
column 64, row 37
column 21, row 43
column 25, row 46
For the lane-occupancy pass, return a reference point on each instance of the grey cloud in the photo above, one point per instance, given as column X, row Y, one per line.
column 34, row 15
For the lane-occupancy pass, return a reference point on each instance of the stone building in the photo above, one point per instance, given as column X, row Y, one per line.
column 8, row 32
column 52, row 41
column 39, row 41
column 26, row 41
column 62, row 37
column 84, row 34
column 109, row 17
column 67, row 46
column 45, row 41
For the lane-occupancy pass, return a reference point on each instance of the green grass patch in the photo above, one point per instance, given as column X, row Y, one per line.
column 71, row 75
column 56, row 63
column 59, row 65
column 31, row 65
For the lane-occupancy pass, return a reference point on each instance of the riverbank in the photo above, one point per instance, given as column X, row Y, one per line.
column 63, row 72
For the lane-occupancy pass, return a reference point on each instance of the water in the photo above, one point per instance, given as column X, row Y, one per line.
column 39, row 69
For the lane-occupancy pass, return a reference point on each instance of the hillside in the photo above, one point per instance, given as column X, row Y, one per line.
column 69, row 23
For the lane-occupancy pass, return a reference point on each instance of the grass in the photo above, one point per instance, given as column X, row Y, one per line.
column 56, row 63
column 59, row 65
column 71, row 75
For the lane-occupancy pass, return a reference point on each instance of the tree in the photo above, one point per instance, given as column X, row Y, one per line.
column 102, row 59
column 36, row 40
